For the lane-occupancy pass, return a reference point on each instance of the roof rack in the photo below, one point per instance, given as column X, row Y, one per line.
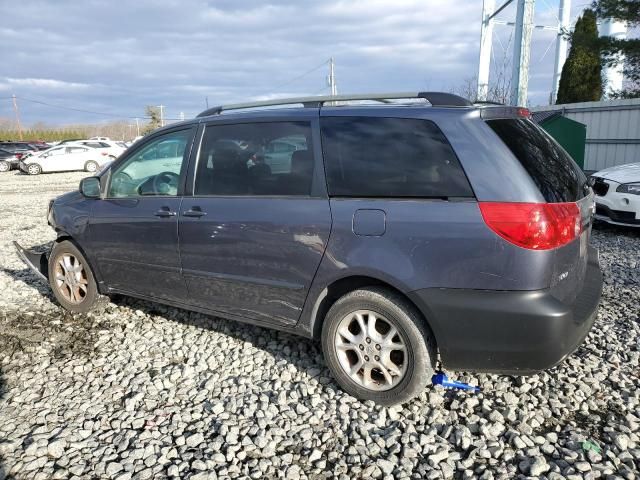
column 436, row 99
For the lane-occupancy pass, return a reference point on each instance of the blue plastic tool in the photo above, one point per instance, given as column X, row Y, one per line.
column 442, row 379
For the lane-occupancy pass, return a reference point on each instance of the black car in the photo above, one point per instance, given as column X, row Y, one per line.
column 8, row 160
column 395, row 234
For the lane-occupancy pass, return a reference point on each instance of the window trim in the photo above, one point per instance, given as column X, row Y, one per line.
column 312, row 123
column 184, row 169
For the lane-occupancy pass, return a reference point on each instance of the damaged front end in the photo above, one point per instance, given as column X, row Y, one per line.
column 36, row 261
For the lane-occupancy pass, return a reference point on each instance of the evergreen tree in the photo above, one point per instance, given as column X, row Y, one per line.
column 154, row 118
column 626, row 51
column 581, row 78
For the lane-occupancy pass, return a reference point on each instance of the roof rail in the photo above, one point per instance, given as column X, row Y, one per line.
column 436, row 99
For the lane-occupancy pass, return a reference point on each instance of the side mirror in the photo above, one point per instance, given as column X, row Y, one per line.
column 90, row 187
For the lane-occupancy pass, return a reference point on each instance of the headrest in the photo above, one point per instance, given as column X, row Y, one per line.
column 302, row 162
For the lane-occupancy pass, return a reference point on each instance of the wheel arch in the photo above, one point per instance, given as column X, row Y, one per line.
column 340, row 287
column 64, row 236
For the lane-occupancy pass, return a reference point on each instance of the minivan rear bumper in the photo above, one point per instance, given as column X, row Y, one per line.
column 512, row 332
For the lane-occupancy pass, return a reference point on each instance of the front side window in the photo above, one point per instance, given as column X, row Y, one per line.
column 154, row 169
column 267, row 158
column 56, row 151
column 390, row 157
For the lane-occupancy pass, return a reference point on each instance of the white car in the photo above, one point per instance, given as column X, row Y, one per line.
column 101, row 138
column 64, row 158
column 105, row 147
column 617, row 192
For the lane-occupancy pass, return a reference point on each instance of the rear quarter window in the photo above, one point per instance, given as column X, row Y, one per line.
column 557, row 176
column 390, row 157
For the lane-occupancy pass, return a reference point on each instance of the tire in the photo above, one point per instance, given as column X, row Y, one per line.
column 91, row 166
column 34, row 169
column 4, row 166
column 413, row 368
column 75, row 286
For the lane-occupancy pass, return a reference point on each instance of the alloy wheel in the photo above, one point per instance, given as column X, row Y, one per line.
column 71, row 278
column 370, row 350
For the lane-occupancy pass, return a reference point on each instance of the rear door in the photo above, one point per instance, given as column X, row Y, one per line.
column 251, row 238
column 75, row 158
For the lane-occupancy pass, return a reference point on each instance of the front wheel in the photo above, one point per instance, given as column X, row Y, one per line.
column 34, row 169
column 378, row 347
column 4, row 166
column 71, row 278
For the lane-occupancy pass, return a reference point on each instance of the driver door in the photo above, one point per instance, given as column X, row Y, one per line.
column 134, row 229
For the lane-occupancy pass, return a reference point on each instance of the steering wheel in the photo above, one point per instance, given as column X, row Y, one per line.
column 164, row 182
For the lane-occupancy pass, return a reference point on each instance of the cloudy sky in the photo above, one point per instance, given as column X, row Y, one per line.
column 114, row 57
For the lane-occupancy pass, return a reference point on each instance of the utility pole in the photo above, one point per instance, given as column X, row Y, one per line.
column 486, row 36
column 564, row 15
column 522, row 52
column 161, row 107
column 137, row 126
column 15, row 109
column 332, row 77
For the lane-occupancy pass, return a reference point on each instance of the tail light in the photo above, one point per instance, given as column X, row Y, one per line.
column 535, row 226
column 104, row 153
column 18, row 155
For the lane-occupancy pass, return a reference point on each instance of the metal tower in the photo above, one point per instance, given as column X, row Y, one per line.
column 522, row 47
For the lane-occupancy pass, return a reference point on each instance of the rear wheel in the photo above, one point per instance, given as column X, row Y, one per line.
column 90, row 166
column 4, row 166
column 34, row 169
column 378, row 347
column 71, row 278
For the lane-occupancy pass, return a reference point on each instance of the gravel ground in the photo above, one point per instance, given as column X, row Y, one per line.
column 141, row 391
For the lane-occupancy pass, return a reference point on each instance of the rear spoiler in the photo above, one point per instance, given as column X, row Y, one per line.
column 492, row 113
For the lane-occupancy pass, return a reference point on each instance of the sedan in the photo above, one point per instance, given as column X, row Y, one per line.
column 617, row 192
column 64, row 159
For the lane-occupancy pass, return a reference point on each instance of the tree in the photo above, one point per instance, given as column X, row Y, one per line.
column 627, row 51
column 581, row 78
column 154, row 118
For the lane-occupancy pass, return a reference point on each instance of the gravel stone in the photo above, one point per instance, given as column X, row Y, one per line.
column 138, row 390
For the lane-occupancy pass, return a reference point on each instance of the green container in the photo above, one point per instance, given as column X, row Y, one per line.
column 570, row 134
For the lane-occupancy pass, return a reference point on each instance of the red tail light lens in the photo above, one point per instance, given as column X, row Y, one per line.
column 536, row 226
column 18, row 155
column 104, row 153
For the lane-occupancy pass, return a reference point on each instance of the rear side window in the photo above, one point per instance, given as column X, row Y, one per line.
column 557, row 176
column 256, row 159
column 390, row 157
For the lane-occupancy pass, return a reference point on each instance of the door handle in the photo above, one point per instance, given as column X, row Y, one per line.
column 194, row 212
column 165, row 212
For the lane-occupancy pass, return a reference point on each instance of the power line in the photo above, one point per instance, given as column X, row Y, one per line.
column 93, row 112
column 295, row 79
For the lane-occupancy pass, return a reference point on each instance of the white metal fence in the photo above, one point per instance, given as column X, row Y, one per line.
column 613, row 130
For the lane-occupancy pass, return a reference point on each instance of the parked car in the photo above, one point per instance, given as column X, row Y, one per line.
column 105, row 147
column 617, row 192
column 398, row 233
column 19, row 149
column 8, row 160
column 63, row 159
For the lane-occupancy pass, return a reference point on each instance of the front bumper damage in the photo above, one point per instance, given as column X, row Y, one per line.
column 36, row 261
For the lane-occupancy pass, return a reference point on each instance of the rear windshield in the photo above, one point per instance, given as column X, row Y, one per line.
column 390, row 157
column 553, row 170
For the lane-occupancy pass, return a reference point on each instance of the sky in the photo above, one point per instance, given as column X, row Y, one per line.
column 106, row 60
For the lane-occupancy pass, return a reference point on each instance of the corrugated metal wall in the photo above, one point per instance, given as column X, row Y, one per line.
column 613, row 130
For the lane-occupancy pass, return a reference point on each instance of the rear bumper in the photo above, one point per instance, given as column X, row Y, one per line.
column 513, row 332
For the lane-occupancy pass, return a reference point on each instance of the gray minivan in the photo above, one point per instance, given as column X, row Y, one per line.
column 398, row 234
